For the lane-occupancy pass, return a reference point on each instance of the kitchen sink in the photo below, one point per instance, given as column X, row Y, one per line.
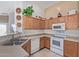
column 14, row 42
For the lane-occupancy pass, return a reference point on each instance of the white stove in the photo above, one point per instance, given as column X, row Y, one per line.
column 57, row 40
column 57, row 44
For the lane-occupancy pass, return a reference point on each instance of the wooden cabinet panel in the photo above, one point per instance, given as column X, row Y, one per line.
column 72, row 22
column 42, row 24
column 42, row 45
column 70, row 48
column 45, row 42
column 78, row 49
column 33, row 23
column 27, row 22
column 48, row 23
column 27, row 47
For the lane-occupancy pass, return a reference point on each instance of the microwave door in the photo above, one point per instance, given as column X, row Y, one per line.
column 60, row 26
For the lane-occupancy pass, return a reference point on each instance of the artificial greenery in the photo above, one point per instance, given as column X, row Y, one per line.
column 28, row 11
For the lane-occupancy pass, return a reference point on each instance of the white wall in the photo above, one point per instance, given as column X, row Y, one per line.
column 6, row 6
column 38, row 10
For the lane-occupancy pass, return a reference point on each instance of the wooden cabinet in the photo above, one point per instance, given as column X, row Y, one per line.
column 45, row 42
column 49, row 22
column 33, row 23
column 78, row 49
column 70, row 48
column 62, row 19
column 27, row 47
column 42, row 24
column 42, row 43
column 72, row 22
column 27, row 22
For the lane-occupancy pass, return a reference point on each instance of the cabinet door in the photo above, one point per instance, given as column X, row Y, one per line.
column 34, row 45
column 47, row 42
column 27, row 47
column 27, row 22
column 62, row 19
column 70, row 48
column 42, row 45
column 78, row 49
column 46, row 24
column 72, row 22
column 42, row 24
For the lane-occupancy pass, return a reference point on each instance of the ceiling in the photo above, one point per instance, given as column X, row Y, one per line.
column 42, row 4
column 8, row 6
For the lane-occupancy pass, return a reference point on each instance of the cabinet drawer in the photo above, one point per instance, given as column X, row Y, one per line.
column 70, row 43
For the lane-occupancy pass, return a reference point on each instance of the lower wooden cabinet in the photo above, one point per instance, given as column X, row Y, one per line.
column 70, row 48
column 78, row 49
column 45, row 42
column 27, row 47
column 42, row 43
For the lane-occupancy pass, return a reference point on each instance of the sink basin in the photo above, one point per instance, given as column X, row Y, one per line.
column 14, row 42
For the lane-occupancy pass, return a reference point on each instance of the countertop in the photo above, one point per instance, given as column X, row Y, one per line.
column 70, row 36
column 7, row 34
column 12, row 51
column 26, row 36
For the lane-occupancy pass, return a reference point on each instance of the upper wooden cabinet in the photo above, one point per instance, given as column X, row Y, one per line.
column 27, row 23
column 72, row 22
column 70, row 48
column 33, row 23
column 48, row 24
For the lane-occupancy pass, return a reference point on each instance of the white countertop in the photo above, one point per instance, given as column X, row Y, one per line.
column 12, row 51
column 5, row 34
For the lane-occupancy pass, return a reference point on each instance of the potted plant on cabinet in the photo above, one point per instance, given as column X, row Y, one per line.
column 28, row 11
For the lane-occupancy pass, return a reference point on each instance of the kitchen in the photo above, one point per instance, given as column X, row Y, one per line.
column 57, row 31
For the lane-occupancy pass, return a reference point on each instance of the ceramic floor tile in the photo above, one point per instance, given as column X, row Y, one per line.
column 45, row 53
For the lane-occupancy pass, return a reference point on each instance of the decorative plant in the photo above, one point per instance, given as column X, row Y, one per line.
column 28, row 11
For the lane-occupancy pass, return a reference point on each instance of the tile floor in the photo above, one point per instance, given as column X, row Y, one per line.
column 45, row 53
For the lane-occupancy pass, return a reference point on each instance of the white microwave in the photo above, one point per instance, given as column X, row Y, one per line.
column 58, row 26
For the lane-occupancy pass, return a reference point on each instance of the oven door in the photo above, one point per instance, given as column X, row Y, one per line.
column 57, row 42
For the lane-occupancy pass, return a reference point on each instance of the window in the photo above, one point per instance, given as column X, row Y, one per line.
column 3, row 28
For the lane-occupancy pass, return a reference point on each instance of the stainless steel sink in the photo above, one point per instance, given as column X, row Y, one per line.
column 13, row 42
